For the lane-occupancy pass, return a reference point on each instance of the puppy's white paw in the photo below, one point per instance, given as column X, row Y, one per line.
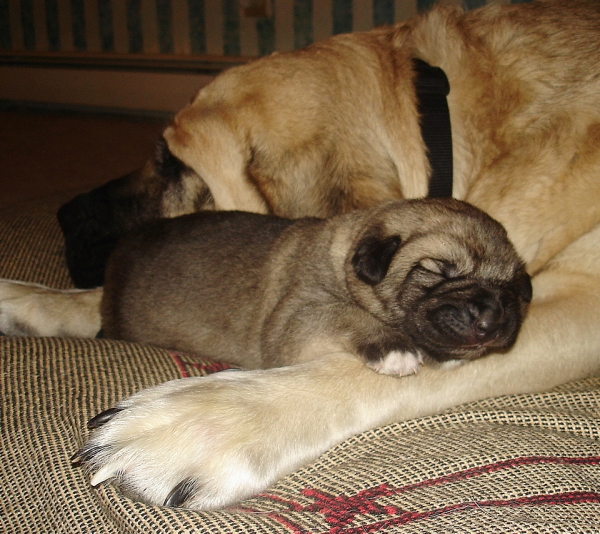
column 397, row 363
column 35, row 310
column 203, row 442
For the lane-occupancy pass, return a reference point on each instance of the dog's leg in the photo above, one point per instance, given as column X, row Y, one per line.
column 239, row 432
column 35, row 310
column 236, row 431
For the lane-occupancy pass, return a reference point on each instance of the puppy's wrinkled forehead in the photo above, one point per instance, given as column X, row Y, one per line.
column 452, row 237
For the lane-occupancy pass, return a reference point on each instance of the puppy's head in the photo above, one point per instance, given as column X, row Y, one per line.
column 443, row 275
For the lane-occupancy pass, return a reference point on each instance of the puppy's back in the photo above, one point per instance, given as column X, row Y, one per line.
column 189, row 282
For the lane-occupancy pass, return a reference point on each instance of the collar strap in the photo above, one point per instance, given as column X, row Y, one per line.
column 432, row 87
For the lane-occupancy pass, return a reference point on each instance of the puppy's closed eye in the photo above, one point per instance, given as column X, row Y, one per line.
column 439, row 267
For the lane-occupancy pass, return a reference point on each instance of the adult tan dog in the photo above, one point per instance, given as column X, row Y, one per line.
column 332, row 128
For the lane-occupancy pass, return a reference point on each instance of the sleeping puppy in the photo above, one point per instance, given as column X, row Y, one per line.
column 394, row 285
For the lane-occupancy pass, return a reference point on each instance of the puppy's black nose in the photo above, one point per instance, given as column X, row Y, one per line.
column 483, row 316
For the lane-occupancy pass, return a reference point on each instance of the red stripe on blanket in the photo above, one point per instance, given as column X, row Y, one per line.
column 183, row 372
column 183, row 364
column 339, row 521
column 504, row 464
column 574, row 497
column 340, row 511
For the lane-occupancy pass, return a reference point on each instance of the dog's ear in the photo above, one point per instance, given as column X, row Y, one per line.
column 373, row 256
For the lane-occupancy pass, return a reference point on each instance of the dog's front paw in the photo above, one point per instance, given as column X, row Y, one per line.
column 203, row 442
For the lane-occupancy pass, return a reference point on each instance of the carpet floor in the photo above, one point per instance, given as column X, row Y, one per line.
column 43, row 153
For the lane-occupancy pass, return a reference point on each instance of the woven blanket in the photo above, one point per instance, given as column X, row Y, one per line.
column 520, row 464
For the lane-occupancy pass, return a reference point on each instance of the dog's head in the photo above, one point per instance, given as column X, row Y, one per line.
column 443, row 274
column 93, row 222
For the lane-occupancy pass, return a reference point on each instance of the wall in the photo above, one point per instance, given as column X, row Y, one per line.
column 151, row 55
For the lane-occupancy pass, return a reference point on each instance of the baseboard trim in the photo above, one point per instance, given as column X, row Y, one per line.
column 145, row 92
column 163, row 63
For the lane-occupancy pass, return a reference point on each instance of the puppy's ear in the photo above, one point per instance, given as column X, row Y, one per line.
column 373, row 257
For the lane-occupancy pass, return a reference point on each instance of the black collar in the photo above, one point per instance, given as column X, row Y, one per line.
column 432, row 88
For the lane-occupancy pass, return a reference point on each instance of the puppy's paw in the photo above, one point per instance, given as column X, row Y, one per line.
column 397, row 363
column 34, row 310
column 203, row 442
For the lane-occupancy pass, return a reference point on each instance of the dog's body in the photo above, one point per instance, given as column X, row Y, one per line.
column 393, row 285
column 334, row 128
column 330, row 129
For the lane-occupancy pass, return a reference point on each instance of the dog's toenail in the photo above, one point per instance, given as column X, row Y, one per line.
column 181, row 493
column 103, row 417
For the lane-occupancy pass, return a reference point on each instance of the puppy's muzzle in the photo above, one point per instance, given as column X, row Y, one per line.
column 469, row 322
column 472, row 323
